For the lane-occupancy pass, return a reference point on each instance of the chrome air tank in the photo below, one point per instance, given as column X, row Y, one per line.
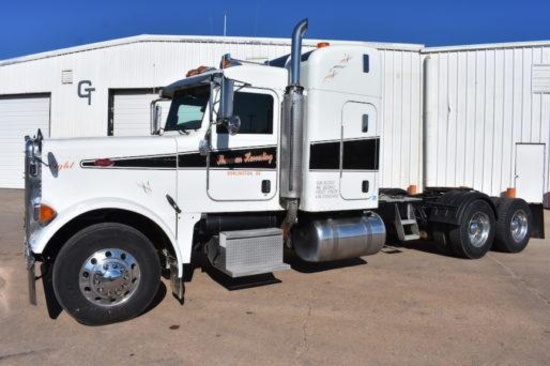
column 342, row 238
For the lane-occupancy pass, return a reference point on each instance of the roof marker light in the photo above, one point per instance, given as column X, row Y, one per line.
column 197, row 71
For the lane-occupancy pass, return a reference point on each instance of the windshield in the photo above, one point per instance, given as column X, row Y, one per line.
column 187, row 109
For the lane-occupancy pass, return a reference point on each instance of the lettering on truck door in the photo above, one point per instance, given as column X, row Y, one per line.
column 244, row 167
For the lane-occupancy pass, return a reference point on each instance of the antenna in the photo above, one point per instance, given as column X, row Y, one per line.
column 225, row 23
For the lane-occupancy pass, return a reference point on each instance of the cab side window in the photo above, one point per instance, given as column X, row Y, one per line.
column 255, row 112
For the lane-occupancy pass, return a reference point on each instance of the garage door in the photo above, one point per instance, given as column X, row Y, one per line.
column 131, row 113
column 19, row 116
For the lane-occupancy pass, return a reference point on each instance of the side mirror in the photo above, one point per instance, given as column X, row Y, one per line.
column 233, row 125
column 225, row 113
column 204, row 147
column 156, row 117
column 226, row 100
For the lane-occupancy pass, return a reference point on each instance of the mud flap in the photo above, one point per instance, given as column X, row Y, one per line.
column 53, row 306
column 31, row 274
column 537, row 215
column 176, row 282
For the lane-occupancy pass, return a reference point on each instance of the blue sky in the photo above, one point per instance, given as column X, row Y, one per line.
column 33, row 26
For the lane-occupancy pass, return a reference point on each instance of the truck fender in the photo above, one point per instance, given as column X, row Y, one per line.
column 450, row 207
column 40, row 240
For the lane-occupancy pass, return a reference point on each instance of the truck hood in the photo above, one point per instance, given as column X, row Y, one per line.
column 136, row 174
column 69, row 153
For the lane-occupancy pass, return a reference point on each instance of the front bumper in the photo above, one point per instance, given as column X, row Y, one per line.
column 33, row 193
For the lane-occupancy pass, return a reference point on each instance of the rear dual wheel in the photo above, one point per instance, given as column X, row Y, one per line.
column 513, row 227
column 473, row 238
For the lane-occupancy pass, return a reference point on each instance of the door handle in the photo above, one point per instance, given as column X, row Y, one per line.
column 266, row 186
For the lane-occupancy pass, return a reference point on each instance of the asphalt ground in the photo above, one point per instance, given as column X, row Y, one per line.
column 408, row 305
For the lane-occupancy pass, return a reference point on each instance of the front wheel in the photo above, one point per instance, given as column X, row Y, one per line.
column 106, row 273
column 474, row 236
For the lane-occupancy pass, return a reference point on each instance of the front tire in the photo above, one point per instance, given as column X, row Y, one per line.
column 473, row 238
column 106, row 273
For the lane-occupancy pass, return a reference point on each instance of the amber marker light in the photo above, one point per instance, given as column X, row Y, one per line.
column 323, row 44
column 199, row 70
column 103, row 163
column 46, row 214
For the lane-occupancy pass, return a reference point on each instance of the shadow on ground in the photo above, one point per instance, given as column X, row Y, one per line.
column 301, row 266
column 55, row 309
column 431, row 247
column 232, row 284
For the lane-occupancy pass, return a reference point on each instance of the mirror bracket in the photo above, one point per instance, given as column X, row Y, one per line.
column 204, row 147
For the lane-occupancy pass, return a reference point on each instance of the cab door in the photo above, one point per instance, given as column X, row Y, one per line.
column 243, row 167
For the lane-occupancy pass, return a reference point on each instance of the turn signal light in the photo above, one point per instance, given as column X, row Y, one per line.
column 46, row 214
column 323, row 44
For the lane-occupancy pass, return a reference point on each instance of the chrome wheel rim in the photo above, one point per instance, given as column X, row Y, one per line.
column 478, row 229
column 109, row 277
column 519, row 225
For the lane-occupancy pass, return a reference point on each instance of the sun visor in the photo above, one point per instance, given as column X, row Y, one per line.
column 187, row 83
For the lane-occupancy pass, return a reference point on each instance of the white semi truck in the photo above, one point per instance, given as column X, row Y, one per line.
column 252, row 158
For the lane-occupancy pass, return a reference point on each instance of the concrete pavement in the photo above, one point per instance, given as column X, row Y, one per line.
column 407, row 305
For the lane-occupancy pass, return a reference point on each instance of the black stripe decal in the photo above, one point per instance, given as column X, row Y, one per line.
column 256, row 158
column 194, row 160
column 140, row 162
column 324, row 156
column 357, row 155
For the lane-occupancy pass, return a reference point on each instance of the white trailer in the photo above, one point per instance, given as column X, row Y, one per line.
column 252, row 157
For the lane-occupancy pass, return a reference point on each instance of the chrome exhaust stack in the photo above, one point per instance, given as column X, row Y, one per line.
column 292, row 129
column 296, row 54
column 292, row 133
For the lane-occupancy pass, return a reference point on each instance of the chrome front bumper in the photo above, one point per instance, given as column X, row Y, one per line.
column 33, row 192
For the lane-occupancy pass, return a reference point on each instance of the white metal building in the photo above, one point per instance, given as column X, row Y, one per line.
column 453, row 116
column 487, row 120
column 106, row 89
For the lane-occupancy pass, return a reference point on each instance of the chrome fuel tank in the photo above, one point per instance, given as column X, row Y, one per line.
column 344, row 238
